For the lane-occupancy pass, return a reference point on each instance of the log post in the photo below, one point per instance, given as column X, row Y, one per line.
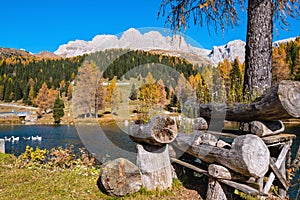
column 215, row 190
column 154, row 163
column 2, row 146
column 159, row 131
column 248, row 155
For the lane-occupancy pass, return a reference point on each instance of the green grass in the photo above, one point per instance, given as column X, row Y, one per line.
column 58, row 183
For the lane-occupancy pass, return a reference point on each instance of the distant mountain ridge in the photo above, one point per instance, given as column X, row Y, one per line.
column 9, row 52
column 154, row 40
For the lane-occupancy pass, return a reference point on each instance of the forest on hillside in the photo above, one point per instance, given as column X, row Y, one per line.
column 168, row 80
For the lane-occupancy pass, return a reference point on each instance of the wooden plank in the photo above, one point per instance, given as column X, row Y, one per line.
column 190, row 166
column 224, row 135
column 279, row 161
column 283, row 137
column 282, row 191
column 260, row 182
column 279, row 175
column 242, row 187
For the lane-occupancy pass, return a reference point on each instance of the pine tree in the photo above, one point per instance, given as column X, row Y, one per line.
column 133, row 93
column 58, row 110
column 100, row 96
column 109, row 91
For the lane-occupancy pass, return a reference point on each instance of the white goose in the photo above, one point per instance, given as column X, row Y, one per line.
column 26, row 138
column 15, row 139
column 7, row 139
column 38, row 138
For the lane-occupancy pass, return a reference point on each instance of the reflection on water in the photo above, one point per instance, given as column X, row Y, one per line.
column 106, row 142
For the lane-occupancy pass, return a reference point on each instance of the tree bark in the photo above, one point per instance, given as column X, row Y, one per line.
column 258, row 58
column 248, row 156
column 282, row 101
column 155, row 165
column 159, row 131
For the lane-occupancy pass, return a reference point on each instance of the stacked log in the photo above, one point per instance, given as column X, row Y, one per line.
column 153, row 153
column 246, row 158
column 282, row 101
column 248, row 155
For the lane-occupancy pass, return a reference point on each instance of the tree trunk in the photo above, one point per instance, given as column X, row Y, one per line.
column 258, row 59
column 248, row 156
column 159, row 131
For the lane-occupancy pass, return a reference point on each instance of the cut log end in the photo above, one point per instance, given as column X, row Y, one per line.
column 164, row 129
column 119, row 177
column 289, row 95
column 159, row 131
column 254, row 153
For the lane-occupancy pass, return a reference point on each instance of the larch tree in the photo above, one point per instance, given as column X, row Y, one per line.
column 100, row 96
column 42, row 97
column 222, row 14
column 84, row 90
column 110, row 90
column 280, row 68
column 162, row 92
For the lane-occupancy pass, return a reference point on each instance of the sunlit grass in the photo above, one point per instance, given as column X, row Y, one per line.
column 58, row 183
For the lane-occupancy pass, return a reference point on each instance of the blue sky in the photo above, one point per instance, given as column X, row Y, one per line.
column 37, row 25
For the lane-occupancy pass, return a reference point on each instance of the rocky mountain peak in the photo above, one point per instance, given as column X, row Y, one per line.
column 154, row 40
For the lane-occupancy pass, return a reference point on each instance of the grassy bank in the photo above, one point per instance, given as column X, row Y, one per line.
column 77, row 182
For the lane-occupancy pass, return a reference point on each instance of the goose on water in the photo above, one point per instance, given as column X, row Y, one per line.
column 15, row 139
column 39, row 138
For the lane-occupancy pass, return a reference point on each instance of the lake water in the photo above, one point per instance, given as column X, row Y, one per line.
column 107, row 142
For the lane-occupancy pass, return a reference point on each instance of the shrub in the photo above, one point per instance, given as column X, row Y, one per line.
column 32, row 158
